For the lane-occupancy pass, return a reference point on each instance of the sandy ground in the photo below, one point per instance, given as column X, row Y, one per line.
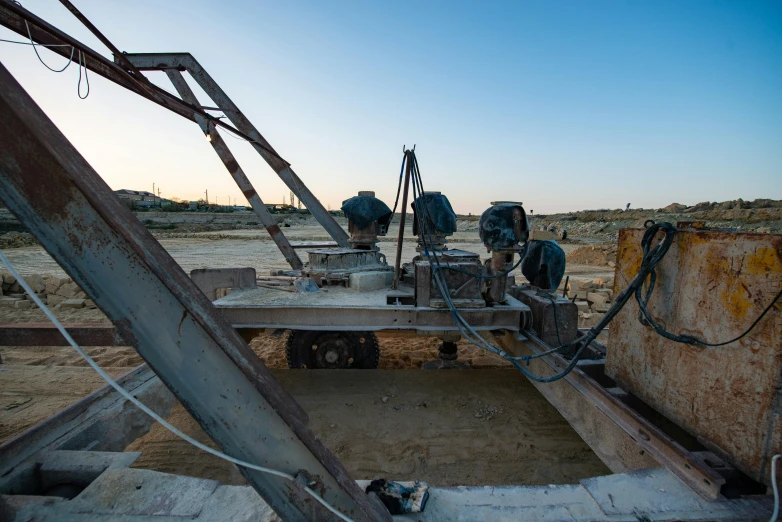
column 482, row 426
column 447, row 428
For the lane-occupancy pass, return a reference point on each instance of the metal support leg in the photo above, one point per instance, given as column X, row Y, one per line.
column 185, row 61
column 237, row 173
column 65, row 204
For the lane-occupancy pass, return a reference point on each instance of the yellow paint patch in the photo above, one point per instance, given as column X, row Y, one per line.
column 763, row 260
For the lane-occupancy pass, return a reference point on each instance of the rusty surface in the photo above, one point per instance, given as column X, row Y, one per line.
column 241, row 179
column 46, row 334
column 711, row 285
column 155, row 306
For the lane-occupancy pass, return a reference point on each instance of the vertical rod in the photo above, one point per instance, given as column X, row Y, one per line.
column 400, row 241
column 228, row 159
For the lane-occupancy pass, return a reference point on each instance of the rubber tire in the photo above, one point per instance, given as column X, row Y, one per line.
column 300, row 354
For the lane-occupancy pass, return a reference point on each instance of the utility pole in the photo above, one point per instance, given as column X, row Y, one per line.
column 160, row 202
column 153, row 194
column 206, row 193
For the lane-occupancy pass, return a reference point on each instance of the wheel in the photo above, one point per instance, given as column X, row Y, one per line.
column 329, row 350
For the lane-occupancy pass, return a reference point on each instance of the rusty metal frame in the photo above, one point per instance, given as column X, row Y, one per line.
column 155, row 306
column 371, row 318
column 237, row 173
column 17, row 18
column 186, row 62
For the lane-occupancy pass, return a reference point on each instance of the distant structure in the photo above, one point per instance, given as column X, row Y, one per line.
column 628, row 207
column 142, row 198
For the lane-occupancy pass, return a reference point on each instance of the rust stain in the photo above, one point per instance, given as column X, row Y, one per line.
column 274, row 230
column 249, row 193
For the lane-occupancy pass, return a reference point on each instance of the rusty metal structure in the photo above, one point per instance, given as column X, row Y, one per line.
column 687, row 431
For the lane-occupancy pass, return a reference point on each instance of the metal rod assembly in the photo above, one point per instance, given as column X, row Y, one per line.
column 401, row 237
column 159, row 311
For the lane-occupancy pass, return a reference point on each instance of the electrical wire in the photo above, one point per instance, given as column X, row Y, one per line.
column 133, row 400
column 775, row 514
column 86, row 78
column 652, row 255
column 35, row 48
column 33, row 43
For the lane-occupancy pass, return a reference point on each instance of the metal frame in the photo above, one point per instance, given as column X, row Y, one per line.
column 155, row 306
column 237, row 173
column 126, row 74
column 186, row 62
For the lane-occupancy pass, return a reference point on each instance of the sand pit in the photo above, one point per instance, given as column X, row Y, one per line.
column 457, row 427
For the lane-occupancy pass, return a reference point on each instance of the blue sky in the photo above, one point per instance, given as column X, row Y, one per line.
column 561, row 105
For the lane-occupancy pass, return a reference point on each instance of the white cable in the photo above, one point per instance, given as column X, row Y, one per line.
column 143, row 407
column 35, row 45
column 775, row 514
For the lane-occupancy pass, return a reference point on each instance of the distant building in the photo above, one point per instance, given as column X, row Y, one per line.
column 142, row 198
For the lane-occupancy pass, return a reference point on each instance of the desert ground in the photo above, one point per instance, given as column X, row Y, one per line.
column 486, row 425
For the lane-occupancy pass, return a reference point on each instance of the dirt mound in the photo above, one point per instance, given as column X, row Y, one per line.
column 599, row 255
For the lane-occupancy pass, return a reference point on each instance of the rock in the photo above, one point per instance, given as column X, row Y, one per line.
column 54, row 299
column 674, row 207
column 601, row 307
column 89, row 303
column 8, row 302
column 72, row 303
column 23, row 304
column 80, row 295
column 36, row 282
column 582, row 306
column 53, row 283
column 595, row 297
column 384, row 399
column 8, row 278
column 598, row 282
column 15, row 288
column 68, row 290
column 611, row 264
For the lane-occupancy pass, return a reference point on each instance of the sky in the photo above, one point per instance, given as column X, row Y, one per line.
column 562, row 105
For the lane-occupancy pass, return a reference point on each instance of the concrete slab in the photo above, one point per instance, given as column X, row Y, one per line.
column 645, row 491
column 144, row 492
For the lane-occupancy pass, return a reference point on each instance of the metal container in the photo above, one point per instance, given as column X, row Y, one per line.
column 712, row 285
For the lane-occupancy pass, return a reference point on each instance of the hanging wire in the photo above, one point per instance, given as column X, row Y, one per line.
column 35, row 48
column 86, row 78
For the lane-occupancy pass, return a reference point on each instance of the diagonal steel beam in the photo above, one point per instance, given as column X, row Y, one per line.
column 18, row 19
column 65, row 204
column 186, row 62
column 237, row 173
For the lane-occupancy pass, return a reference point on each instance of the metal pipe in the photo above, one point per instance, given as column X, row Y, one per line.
column 400, row 240
column 157, row 308
column 237, row 173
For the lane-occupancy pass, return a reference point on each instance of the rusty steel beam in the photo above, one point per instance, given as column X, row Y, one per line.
column 237, row 173
column 155, row 306
column 46, row 334
column 186, row 62
column 701, row 478
column 14, row 16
